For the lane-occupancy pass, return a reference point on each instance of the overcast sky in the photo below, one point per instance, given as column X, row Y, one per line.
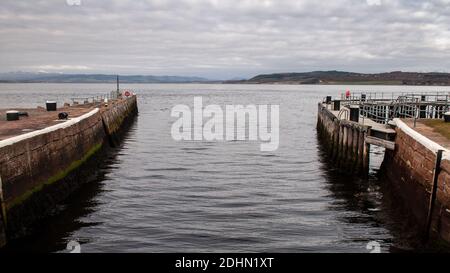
column 223, row 38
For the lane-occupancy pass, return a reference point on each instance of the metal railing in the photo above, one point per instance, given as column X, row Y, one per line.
column 381, row 109
column 96, row 99
column 389, row 96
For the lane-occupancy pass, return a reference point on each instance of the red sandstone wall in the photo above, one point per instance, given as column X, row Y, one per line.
column 410, row 167
column 442, row 219
column 2, row 228
column 416, row 159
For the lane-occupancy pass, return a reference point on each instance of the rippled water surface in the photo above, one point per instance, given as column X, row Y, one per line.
column 154, row 194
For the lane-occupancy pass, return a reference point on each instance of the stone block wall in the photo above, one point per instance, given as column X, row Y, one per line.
column 410, row 168
column 37, row 162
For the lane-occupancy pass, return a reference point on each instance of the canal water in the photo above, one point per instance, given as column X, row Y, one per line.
column 154, row 194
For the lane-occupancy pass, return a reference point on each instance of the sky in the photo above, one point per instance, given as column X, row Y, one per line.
column 223, row 39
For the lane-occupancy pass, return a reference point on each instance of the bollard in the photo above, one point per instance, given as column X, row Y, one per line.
column 447, row 117
column 51, row 105
column 12, row 115
column 423, row 108
column 354, row 113
column 336, row 105
column 63, row 115
column 328, row 100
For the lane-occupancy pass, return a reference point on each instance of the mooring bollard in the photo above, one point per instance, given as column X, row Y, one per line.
column 354, row 113
column 447, row 117
column 63, row 115
column 336, row 105
column 423, row 108
column 51, row 105
column 12, row 115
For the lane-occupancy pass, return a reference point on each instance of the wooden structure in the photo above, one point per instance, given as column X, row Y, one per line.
column 344, row 140
column 348, row 137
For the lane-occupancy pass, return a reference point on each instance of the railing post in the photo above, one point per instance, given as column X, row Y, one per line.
column 437, row 170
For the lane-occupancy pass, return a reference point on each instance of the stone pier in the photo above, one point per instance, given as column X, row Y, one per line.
column 41, row 158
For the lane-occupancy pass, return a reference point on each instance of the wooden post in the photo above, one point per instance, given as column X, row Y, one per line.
column 329, row 135
column 349, row 147
column 360, row 150
column 437, row 170
column 355, row 148
column 117, row 83
column 335, row 139
column 366, row 155
column 341, row 144
column 344, row 146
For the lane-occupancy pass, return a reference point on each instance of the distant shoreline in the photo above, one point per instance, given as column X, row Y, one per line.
column 350, row 78
column 333, row 77
column 236, row 83
column 337, row 83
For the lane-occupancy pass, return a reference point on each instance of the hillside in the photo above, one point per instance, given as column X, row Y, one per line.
column 340, row 77
column 24, row 77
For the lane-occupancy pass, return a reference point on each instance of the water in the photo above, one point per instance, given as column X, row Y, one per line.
column 154, row 194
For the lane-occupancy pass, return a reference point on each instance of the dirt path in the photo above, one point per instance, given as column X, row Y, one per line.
column 430, row 132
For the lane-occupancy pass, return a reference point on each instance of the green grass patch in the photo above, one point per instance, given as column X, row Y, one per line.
column 439, row 126
column 365, row 82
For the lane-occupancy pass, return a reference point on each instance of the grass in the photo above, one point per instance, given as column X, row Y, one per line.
column 365, row 82
column 439, row 126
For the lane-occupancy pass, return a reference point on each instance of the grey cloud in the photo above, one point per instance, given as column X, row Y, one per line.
column 224, row 38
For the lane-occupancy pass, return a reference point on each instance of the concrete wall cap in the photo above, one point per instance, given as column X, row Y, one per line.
column 428, row 143
column 13, row 140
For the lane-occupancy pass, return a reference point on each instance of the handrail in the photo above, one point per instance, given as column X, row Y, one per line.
column 96, row 99
column 342, row 111
column 407, row 105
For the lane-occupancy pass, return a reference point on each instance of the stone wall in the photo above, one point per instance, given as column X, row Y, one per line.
column 410, row 168
column 441, row 221
column 2, row 216
column 37, row 169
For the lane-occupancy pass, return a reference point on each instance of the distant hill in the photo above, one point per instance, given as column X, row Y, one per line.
column 26, row 77
column 341, row 77
column 315, row 77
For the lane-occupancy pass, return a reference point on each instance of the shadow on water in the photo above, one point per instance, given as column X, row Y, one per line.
column 51, row 233
column 373, row 202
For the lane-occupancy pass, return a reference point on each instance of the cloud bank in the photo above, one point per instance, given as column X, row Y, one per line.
column 224, row 38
